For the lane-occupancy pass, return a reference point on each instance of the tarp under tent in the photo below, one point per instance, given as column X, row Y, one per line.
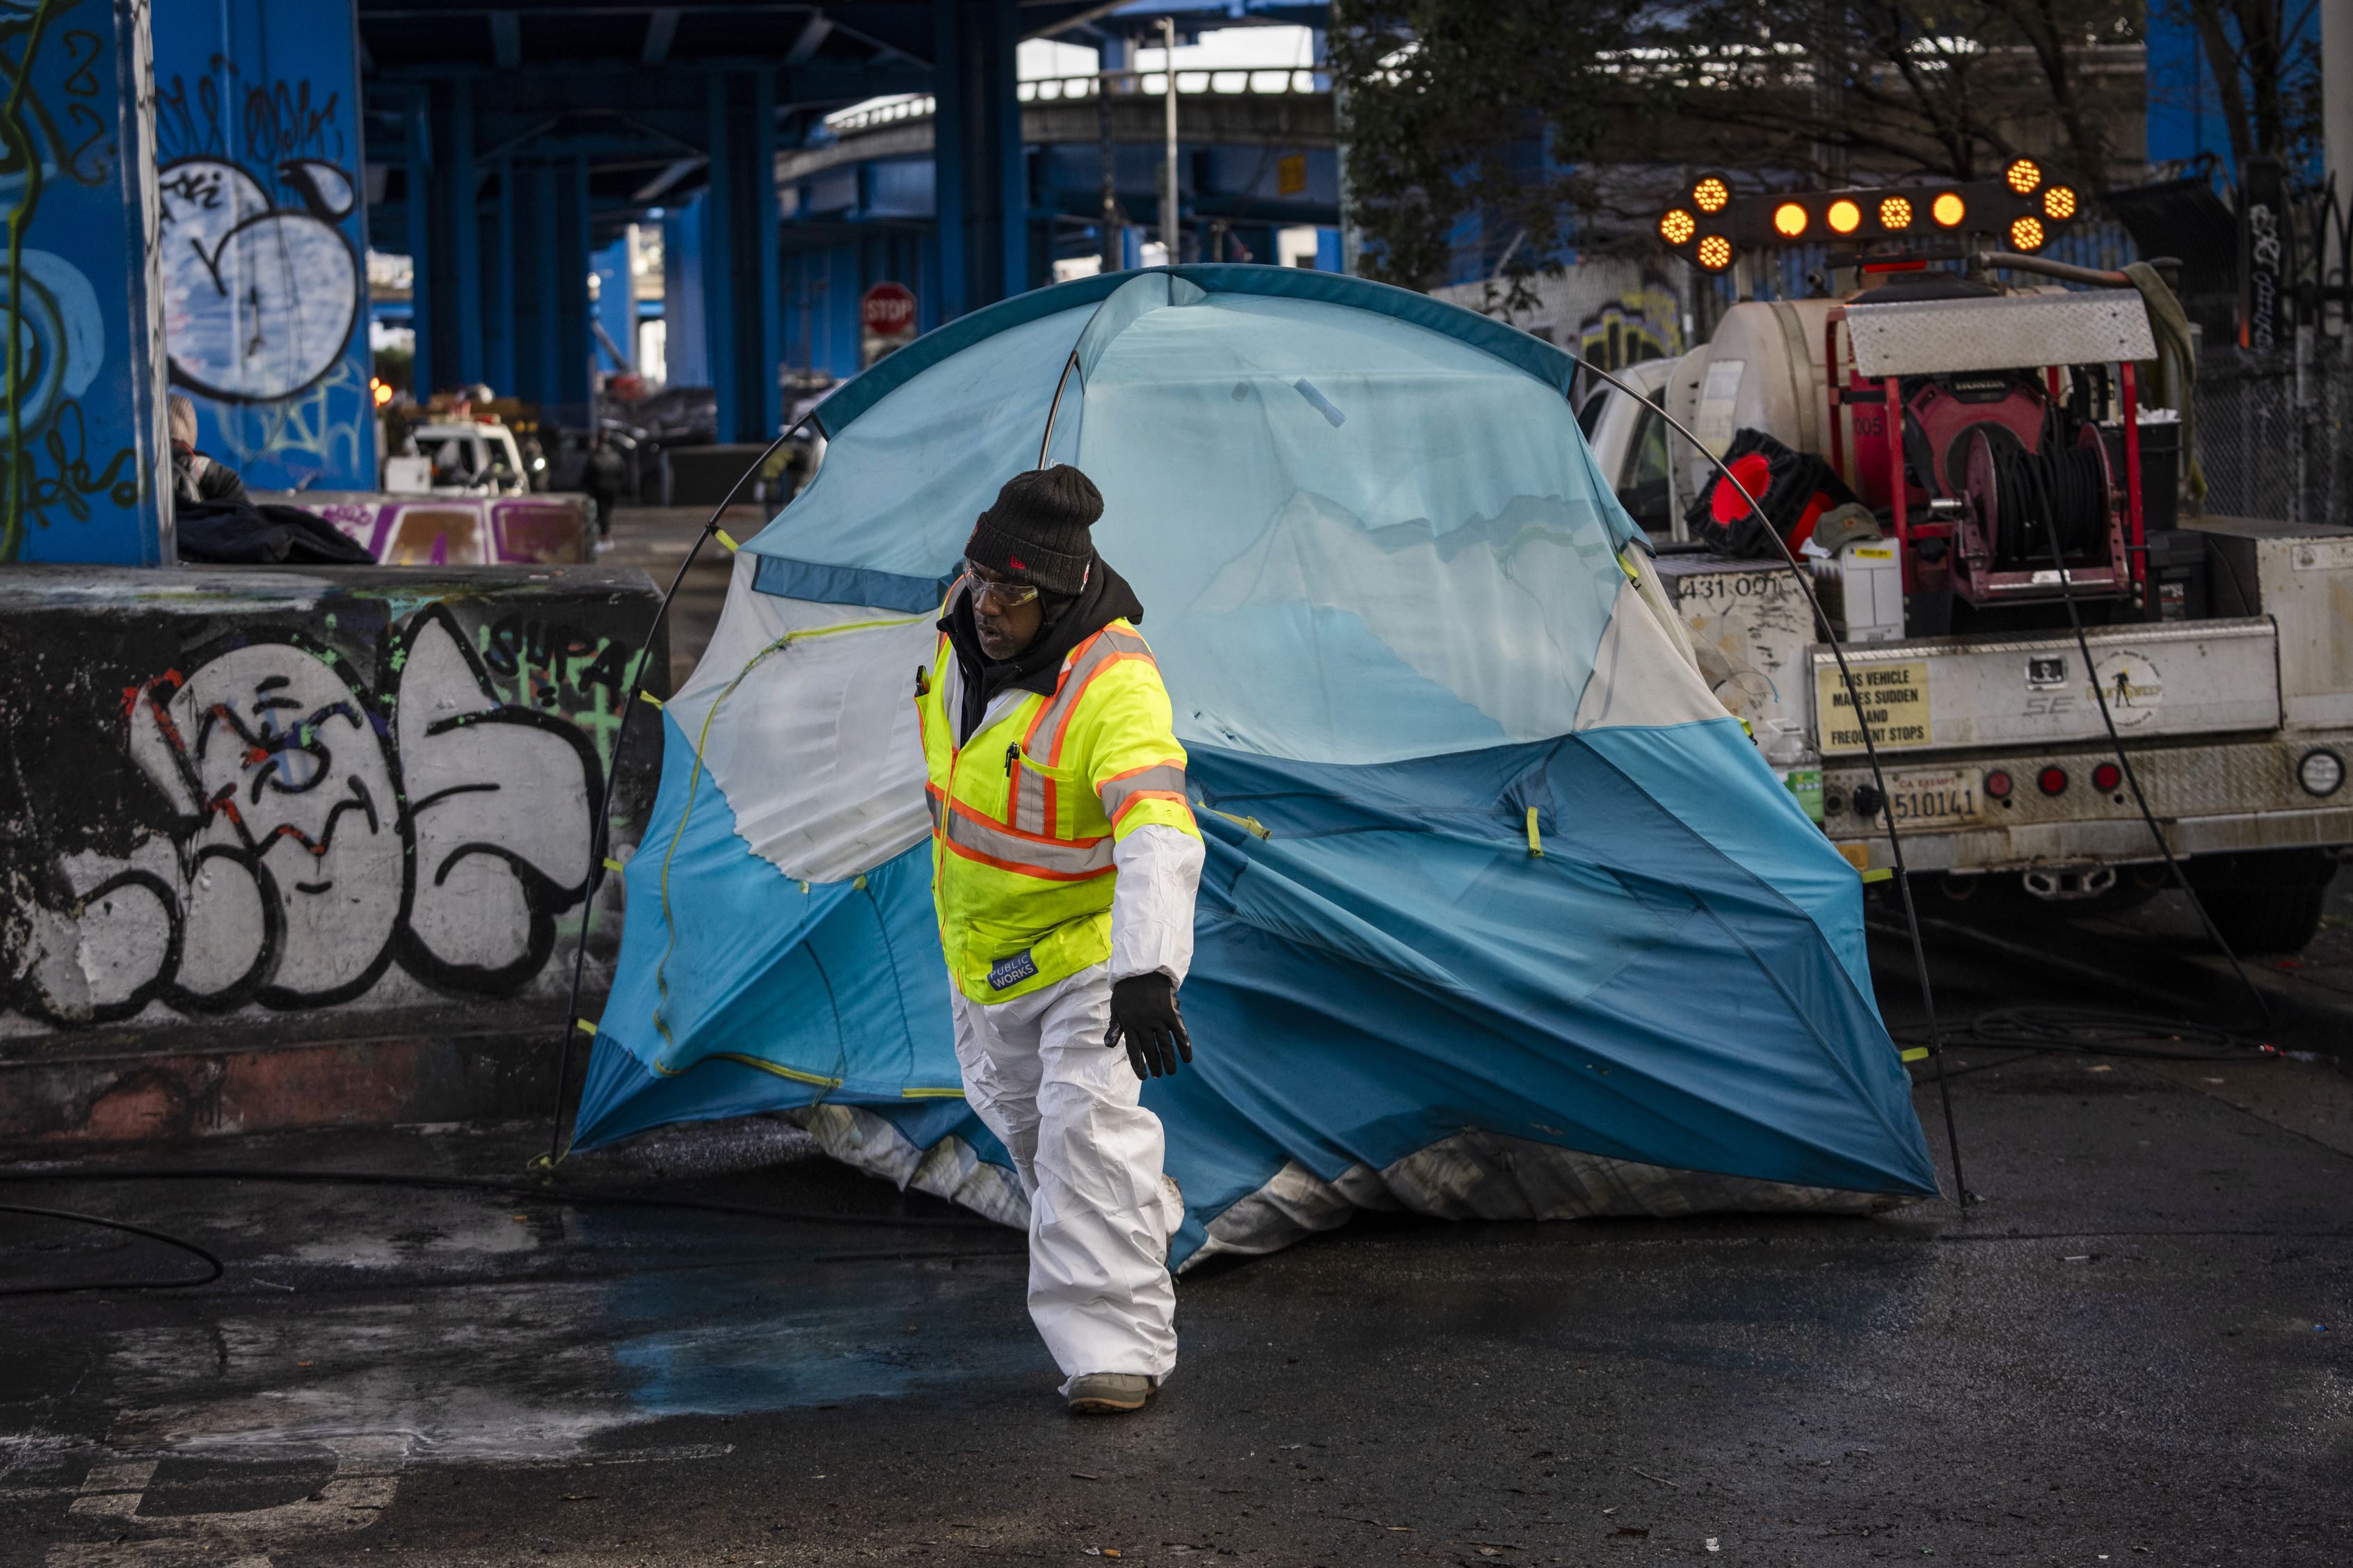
column 1503, row 915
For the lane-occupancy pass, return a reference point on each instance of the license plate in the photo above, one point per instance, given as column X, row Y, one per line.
column 1941, row 799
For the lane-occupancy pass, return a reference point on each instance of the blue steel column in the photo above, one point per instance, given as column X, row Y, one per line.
column 574, row 375
column 465, row 184
column 770, row 273
column 741, row 281
column 421, row 236
column 686, row 356
column 547, row 320
column 456, row 258
column 718, row 290
column 499, row 366
column 982, row 199
column 615, row 308
column 547, row 288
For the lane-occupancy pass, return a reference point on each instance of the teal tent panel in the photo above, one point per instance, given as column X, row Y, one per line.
column 1714, row 780
column 836, row 987
column 988, row 406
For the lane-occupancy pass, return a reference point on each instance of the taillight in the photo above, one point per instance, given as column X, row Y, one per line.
column 2051, row 781
column 2107, row 776
column 1997, row 785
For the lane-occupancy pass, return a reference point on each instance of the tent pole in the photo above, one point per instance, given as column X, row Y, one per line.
column 602, row 824
column 1056, row 406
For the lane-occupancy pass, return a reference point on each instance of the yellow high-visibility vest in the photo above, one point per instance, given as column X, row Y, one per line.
column 1025, row 813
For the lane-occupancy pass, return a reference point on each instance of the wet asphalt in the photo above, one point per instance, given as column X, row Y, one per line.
column 2132, row 1350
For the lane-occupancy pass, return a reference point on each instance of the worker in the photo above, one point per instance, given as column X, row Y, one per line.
column 1064, row 864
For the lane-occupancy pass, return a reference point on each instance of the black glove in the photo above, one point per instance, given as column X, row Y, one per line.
column 1144, row 1012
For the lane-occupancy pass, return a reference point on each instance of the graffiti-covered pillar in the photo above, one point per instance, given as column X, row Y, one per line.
column 265, row 277
column 81, row 391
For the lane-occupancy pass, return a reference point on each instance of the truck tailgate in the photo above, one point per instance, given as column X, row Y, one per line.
column 2200, row 676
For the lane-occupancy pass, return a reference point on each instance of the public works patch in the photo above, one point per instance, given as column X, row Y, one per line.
column 1012, row 971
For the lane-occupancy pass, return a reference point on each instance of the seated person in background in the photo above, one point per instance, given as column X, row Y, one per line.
column 453, row 463
column 195, row 476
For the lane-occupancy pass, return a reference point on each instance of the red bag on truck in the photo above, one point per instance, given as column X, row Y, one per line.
column 1794, row 487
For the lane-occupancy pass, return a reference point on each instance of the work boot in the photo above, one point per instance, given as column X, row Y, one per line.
column 1108, row 1392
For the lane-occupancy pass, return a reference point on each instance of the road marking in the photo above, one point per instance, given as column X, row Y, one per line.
column 367, row 1475
column 112, row 1489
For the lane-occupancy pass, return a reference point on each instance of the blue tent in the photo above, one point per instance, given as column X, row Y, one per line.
column 1503, row 915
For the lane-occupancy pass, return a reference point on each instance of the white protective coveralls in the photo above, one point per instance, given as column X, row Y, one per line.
column 1069, row 1111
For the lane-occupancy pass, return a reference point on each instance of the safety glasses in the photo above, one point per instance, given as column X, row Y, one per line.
column 1000, row 598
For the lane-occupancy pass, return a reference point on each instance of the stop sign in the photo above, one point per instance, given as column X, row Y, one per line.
column 888, row 309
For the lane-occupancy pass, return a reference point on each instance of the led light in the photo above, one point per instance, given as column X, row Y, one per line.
column 1845, row 217
column 2026, row 233
column 1997, row 785
column 1716, row 253
column 2321, row 772
column 1948, row 209
column 1789, row 219
column 2023, row 175
column 2051, row 781
column 1677, row 226
column 380, row 392
column 2059, row 202
column 1894, row 212
column 1710, row 195
column 2107, row 776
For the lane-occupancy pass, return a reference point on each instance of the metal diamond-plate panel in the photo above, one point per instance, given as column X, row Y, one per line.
column 2093, row 326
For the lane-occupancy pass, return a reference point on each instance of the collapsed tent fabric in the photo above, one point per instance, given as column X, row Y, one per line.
column 1504, row 916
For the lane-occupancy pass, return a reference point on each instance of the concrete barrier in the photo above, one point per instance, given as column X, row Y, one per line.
column 341, row 813
column 553, row 528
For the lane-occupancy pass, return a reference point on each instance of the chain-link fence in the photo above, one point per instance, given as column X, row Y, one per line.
column 2272, row 436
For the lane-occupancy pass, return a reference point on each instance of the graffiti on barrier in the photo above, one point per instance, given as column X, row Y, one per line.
column 456, row 530
column 327, row 827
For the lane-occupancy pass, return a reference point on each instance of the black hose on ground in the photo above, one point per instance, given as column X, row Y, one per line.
column 532, row 1192
column 535, row 1191
column 210, row 1262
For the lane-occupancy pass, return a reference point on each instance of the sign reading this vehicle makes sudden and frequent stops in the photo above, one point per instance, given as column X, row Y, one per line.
column 1894, row 704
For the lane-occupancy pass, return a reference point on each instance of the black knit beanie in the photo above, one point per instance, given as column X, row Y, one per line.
column 1038, row 530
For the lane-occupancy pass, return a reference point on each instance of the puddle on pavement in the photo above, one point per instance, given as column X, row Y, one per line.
column 855, row 1330
column 436, row 1229
column 544, row 1370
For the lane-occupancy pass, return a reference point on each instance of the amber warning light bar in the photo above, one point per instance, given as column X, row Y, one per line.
column 1707, row 225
